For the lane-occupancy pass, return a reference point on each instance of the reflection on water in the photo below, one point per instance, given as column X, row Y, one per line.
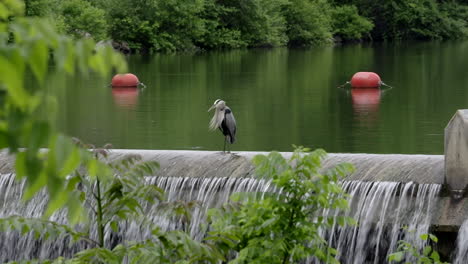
column 366, row 103
column 367, row 99
column 125, row 97
column 280, row 97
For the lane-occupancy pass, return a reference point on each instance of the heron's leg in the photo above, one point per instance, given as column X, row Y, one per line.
column 224, row 149
column 228, row 144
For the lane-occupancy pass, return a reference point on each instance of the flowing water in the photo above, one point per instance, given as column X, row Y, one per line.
column 386, row 212
column 381, row 208
column 461, row 253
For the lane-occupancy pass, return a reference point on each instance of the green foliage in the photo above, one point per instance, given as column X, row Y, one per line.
column 112, row 195
column 180, row 24
column 427, row 256
column 308, row 22
column 116, row 195
column 455, row 22
column 219, row 33
column 26, row 45
column 260, row 22
column 165, row 247
column 283, row 227
column 134, row 22
column 155, row 25
column 42, row 229
column 115, row 200
column 414, row 19
column 190, row 25
column 81, row 18
column 40, row 8
column 348, row 24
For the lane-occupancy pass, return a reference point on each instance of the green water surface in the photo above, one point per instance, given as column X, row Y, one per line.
column 279, row 97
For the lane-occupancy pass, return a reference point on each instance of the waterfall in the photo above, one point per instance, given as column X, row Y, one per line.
column 381, row 208
column 461, row 253
column 209, row 192
column 386, row 212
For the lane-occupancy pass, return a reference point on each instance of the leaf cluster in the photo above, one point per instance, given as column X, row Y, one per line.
column 412, row 19
column 114, row 192
column 191, row 25
column 348, row 24
column 82, row 19
column 407, row 250
column 308, row 23
column 31, row 45
column 71, row 175
column 283, row 226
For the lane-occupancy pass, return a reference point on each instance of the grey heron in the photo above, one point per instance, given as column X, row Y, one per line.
column 224, row 120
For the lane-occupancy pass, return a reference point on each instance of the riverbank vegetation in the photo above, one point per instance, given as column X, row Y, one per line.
column 192, row 25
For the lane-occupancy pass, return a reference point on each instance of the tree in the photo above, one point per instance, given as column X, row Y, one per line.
column 348, row 24
column 308, row 23
column 82, row 19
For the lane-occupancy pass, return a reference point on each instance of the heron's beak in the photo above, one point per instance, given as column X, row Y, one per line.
column 211, row 108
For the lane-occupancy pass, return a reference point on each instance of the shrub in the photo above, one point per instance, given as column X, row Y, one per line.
column 155, row 25
column 260, row 22
column 427, row 255
column 81, row 18
column 455, row 22
column 180, row 24
column 112, row 193
column 40, row 8
column 218, row 33
column 24, row 129
column 284, row 226
column 348, row 24
column 308, row 22
column 413, row 19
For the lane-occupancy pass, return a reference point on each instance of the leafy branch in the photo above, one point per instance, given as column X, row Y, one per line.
column 283, row 226
column 42, row 228
column 427, row 256
column 30, row 44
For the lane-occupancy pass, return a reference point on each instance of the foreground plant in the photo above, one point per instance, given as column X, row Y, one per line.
column 406, row 250
column 284, row 225
column 113, row 196
column 27, row 115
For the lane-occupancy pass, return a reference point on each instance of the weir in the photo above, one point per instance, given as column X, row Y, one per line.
column 387, row 192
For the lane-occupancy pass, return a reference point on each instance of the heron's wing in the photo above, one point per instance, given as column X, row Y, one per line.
column 230, row 123
column 217, row 119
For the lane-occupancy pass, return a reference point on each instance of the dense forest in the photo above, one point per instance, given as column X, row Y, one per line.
column 191, row 25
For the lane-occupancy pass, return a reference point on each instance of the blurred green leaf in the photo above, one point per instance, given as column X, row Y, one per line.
column 12, row 78
column 397, row 256
column 38, row 59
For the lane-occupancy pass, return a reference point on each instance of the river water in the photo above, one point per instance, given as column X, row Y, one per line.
column 279, row 97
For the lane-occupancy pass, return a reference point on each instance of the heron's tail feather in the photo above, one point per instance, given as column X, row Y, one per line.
column 232, row 139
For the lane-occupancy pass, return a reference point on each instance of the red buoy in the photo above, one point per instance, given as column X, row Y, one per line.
column 125, row 80
column 365, row 80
